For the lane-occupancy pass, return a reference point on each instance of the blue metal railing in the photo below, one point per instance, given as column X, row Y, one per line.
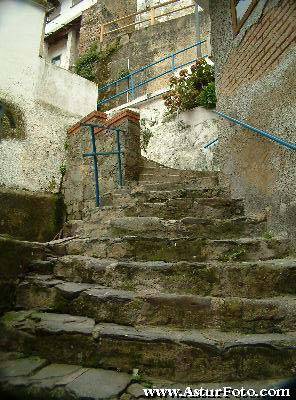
column 211, row 143
column 267, row 135
column 130, row 78
column 94, row 154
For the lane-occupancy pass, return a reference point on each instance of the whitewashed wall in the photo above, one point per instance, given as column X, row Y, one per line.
column 58, row 48
column 179, row 142
column 50, row 98
column 68, row 14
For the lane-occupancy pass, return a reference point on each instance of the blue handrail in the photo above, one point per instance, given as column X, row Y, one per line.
column 94, row 154
column 276, row 139
column 130, row 78
column 211, row 143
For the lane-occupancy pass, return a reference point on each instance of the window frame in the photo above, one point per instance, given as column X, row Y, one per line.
column 75, row 2
column 237, row 26
column 57, row 9
column 58, row 57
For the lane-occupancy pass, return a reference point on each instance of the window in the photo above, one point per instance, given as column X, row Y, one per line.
column 241, row 10
column 74, row 2
column 56, row 60
column 54, row 13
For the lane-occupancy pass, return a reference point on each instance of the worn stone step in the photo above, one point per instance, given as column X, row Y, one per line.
column 162, row 170
column 215, row 207
column 110, row 305
column 198, row 227
column 158, row 204
column 16, row 255
column 35, row 378
column 187, row 355
column 243, row 279
column 124, row 196
column 179, row 183
column 142, row 248
column 24, row 377
column 154, row 226
column 163, row 176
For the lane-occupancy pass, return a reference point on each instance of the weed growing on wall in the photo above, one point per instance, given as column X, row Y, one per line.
column 93, row 64
column 192, row 88
column 146, row 134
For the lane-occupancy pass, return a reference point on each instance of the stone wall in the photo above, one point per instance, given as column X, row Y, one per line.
column 29, row 215
column 103, row 11
column 79, row 183
column 142, row 5
column 144, row 46
column 255, row 74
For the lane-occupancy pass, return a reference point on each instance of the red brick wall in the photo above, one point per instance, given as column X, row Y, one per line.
column 262, row 48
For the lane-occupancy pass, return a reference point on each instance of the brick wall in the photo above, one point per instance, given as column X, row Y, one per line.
column 255, row 76
column 262, row 48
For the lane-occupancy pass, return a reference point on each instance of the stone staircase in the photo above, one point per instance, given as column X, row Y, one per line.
column 170, row 279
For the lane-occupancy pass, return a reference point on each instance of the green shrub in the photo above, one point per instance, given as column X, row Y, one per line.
column 192, row 89
column 93, row 64
column 207, row 97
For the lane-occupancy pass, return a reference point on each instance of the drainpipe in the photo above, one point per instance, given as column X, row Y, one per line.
column 197, row 28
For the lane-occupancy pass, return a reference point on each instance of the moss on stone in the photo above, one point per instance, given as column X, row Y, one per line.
column 31, row 216
column 14, row 112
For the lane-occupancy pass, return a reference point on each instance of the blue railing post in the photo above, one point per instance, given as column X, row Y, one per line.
column 173, row 63
column 96, row 168
column 119, row 152
column 132, row 86
column 94, row 154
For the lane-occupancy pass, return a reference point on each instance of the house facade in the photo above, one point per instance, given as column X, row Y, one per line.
column 62, row 31
column 254, row 46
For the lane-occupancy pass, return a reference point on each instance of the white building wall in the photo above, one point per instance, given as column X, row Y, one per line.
column 178, row 142
column 56, row 49
column 68, row 14
column 50, row 98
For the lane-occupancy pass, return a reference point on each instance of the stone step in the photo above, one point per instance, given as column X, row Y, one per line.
column 35, row 378
column 122, row 197
column 197, row 178
column 215, row 207
column 197, row 227
column 162, row 170
column 154, row 226
column 103, row 304
column 179, row 183
column 142, row 248
column 242, row 279
column 16, row 255
column 187, row 355
column 158, row 204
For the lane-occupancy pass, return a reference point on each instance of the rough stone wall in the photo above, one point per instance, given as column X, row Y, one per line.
column 144, row 46
column 79, row 183
column 29, row 215
column 144, row 4
column 255, row 74
column 103, row 11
